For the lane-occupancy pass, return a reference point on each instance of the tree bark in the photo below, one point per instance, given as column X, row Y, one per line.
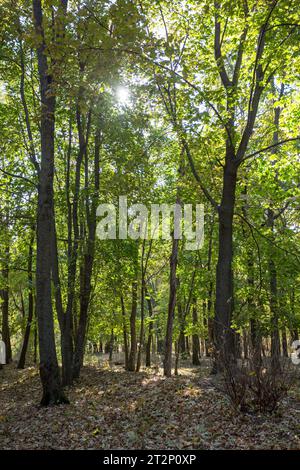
column 22, row 358
column 133, row 345
column 49, row 371
column 196, row 343
column 125, row 338
column 223, row 334
column 275, row 335
column 88, row 260
column 4, row 293
column 284, row 342
column 171, row 309
column 149, row 340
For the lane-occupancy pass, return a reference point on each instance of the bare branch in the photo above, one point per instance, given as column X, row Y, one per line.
column 13, row 175
column 270, row 147
column 196, row 174
column 218, row 53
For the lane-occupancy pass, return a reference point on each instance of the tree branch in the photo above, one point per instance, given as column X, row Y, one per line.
column 292, row 139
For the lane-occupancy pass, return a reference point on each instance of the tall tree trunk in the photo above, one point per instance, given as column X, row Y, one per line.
column 49, row 371
column 254, row 325
column 65, row 317
column 141, row 338
column 111, row 345
column 171, row 309
column 144, row 264
column 88, row 259
column 208, row 320
column 177, row 354
column 35, row 336
column 4, row 294
column 181, row 320
column 293, row 330
column 125, row 338
column 275, row 336
column 133, row 345
column 284, row 342
column 149, row 340
column 196, row 343
column 274, row 307
column 21, row 363
column 223, row 334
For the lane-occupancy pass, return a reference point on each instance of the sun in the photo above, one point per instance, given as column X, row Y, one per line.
column 123, row 95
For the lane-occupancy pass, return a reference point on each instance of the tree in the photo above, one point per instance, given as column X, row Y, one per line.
column 49, row 371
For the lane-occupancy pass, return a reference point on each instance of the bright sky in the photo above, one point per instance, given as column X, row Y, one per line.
column 123, row 95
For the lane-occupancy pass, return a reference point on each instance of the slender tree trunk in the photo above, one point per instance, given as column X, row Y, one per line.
column 177, row 354
column 111, row 345
column 125, row 332
column 88, row 261
column 78, row 353
column 35, row 338
column 254, row 325
column 149, row 340
column 181, row 340
column 196, row 343
column 4, row 293
column 141, row 338
column 65, row 317
column 49, row 371
column 133, row 345
column 275, row 335
column 21, row 363
column 209, row 323
column 293, row 330
column 187, row 345
column 144, row 264
column 284, row 342
column 171, row 309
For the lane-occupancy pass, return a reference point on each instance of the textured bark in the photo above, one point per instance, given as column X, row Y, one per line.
column 35, row 338
column 125, row 338
column 133, row 342
column 141, row 338
column 252, row 309
column 111, row 345
column 181, row 340
column 4, row 294
column 208, row 321
column 275, row 336
column 64, row 317
column 223, row 334
column 21, row 362
column 171, row 309
column 150, row 333
column 274, row 306
column 88, row 259
column 74, row 359
column 224, row 338
column 49, row 371
column 196, row 343
column 284, row 343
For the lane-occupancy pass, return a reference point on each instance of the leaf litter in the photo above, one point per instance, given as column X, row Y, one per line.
column 113, row 409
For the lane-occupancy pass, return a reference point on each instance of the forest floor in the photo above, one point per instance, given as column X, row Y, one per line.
column 113, row 409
